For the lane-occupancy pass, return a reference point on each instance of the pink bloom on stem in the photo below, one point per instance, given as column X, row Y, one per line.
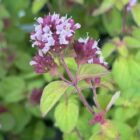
column 53, row 33
column 87, row 51
column 43, row 63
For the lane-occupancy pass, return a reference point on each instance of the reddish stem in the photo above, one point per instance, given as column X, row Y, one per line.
column 84, row 101
column 67, row 69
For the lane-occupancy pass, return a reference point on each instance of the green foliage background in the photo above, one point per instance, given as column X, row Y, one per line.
column 119, row 34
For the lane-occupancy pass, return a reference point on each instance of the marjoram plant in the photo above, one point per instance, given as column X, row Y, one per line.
column 53, row 38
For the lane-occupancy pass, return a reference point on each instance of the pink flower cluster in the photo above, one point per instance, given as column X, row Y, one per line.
column 87, row 51
column 43, row 63
column 53, row 32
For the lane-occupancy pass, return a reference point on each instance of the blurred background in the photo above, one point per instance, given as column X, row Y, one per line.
column 115, row 23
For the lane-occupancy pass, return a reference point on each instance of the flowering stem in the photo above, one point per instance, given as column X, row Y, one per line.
column 124, row 20
column 65, row 80
column 66, row 68
column 78, row 134
column 84, row 101
column 95, row 99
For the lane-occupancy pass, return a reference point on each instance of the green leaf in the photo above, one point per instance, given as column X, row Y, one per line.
column 127, row 68
column 66, row 115
column 132, row 94
column 121, row 69
column 108, row 132
column 83, row 123
column 91, row 71
column 3, row 12
column 15, row 6
column 34, row 110
column 2, row 72
column 71, row 63
column 51, row 94
column 98, row 137
column 12, row 89
column 136, row 13
column 119, row 114
column 19, row 113
column 113, row 100
column 121, row 3
column 105, row 6
column 37, row 5
column 112, row 22
column 125, row 130
column 7, row 122
column 79, row 1
column 131, row 42
column 1, row 25
column 1, row 137
column 39, row 131
column 136, row 32
column 104, row 99
column 107, row 49
column 70, row 136
column 22, row 61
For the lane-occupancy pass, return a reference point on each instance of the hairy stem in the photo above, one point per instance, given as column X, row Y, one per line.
column 124, row 20
column 66, row 68
column 95, row 99
column 74, row 83
column 78, row 134
column 65, row 80
column 84, row 101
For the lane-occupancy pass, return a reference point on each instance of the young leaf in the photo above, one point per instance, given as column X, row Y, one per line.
column 108, row 132
column 108, row 49
column 91, row 71
column 19, row 113
column 136, row 33
column 70, row 136
column 113, row 19
column 66, row 115
column 105, row 6
column 131, row 42
column 7, row 122
column 37, row 5
column 126, row 72
column 51, row 94
column 136, row 13
column 113, row 100
column 12, row 89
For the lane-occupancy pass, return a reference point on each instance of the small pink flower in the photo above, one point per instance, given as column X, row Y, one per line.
column 53, row 33
column 87, row 51
column 43, row 63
